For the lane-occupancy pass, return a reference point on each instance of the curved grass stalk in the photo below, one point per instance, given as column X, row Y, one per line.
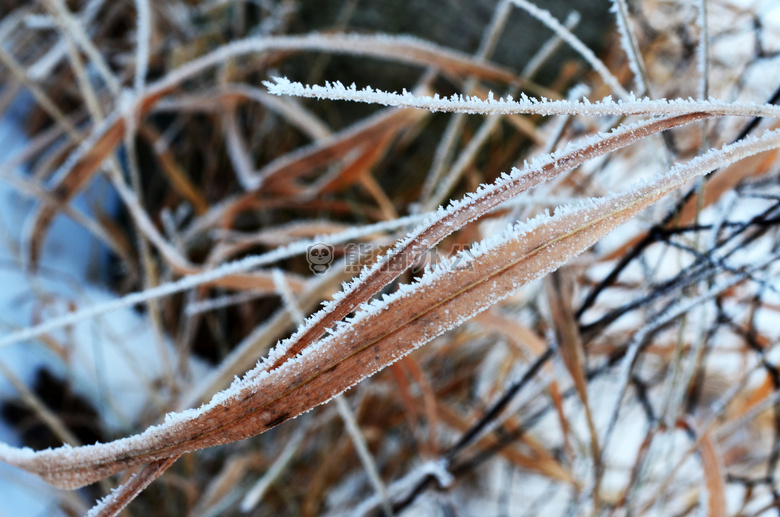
column 566, row 35
column 631, row 46
column 143, row 37
column 400, row 49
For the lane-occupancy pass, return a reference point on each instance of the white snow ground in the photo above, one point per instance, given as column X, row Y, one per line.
column 111, row 360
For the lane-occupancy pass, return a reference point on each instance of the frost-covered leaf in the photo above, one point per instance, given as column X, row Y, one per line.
column 380, row 333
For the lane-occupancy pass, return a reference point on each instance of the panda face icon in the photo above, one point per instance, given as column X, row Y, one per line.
column 320, row 257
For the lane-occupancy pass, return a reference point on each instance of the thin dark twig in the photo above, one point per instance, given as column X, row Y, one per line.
column 656, row 231
column 499, row 405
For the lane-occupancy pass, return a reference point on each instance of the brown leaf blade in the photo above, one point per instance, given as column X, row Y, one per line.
column 379, row 335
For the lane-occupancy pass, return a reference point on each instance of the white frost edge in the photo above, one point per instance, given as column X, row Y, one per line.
column 632, row 105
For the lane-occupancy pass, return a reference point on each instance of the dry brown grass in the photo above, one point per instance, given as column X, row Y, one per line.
column 640, row 380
